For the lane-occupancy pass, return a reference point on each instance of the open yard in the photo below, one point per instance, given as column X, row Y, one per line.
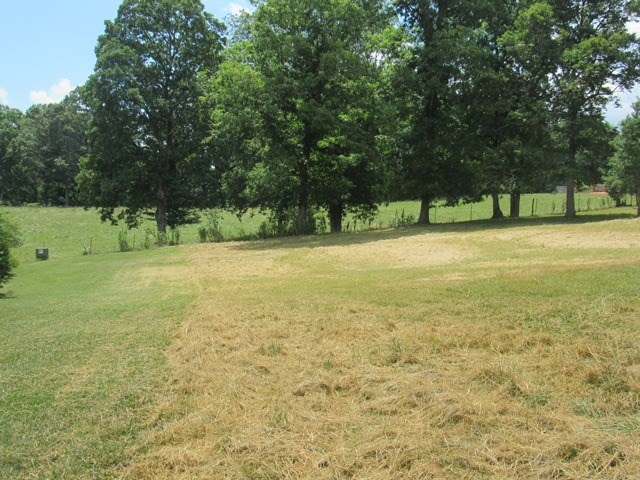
column 470, row 350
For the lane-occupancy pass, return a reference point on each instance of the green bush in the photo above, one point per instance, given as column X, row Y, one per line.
column 212, row 230
column 123, row 241
column 9, row 238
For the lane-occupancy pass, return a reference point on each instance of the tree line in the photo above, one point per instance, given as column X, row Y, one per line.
column 333, row 106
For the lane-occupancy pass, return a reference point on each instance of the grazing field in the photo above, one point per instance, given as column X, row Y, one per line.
column 471, row 350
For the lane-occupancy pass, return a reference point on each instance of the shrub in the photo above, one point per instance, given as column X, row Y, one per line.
column 284, row 223
column 149, row 238
column 212, row 230
column 123, row 241
column 174, row 236
column 9, row 238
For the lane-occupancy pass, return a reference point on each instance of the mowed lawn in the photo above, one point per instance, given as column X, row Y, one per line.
column 475, row 350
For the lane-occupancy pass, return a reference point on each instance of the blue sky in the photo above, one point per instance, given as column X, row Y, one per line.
column 47, row 48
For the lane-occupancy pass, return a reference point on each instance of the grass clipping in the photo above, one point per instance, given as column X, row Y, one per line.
column 343, row 358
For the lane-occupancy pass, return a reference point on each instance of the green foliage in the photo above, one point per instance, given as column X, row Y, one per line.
column 237, row 143
column 284, row 223
column 148, row 117
column 584, row 52
column 623, row 174
column 42, row 159
column 10, row 120
column 175, row 236
column 212, row 230
column 403, row 219
column 123, row 241
column 308, row 68
column 149, row 238
column 171, row 238
column 9, row 238
column 434, row 164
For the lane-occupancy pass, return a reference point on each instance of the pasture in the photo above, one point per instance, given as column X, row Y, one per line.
column 485, row 349
column 69, row 232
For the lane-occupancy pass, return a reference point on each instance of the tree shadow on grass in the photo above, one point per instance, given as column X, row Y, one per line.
column 371, row 236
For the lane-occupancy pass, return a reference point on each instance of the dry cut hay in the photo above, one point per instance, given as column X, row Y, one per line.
column 322, row 363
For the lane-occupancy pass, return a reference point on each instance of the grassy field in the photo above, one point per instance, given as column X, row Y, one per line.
column 70, row 232
column 468, row 350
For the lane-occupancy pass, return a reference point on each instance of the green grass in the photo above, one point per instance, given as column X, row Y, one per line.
column 82, row 345
column 69, row 232
column 531, row 205
column 491, row 333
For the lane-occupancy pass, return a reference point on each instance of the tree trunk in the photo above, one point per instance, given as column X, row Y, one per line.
column 66, row 195
column 514, row 204
column 302, row 221
column 571, row 181
column 335, row 217
column 497, row 212
column 571, row 199
column 425, row 206
column 161, row 208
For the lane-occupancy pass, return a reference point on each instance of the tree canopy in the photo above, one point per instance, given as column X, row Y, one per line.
column 308, row 127
column 148, row 122
column 624, row 169
column 308, row 109
column 586, row 53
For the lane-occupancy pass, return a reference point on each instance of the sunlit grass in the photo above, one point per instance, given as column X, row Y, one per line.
column 460, row 350
column 445, row 352
column 71, row 232
column 82, row 344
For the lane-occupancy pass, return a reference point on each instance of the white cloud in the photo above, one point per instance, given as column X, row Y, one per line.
column 634, row 27
column 235, row 8
column 55, row 94
column 4, row 97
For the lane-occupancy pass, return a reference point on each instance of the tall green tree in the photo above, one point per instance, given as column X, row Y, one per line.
column 237, row 141
column 585, row 51
column 441, row 34
column 45, row 153
column 149, row 124
column 318, row 68
column 10, row 119
column 623, row 175
column 67, row 143
column 505, row 116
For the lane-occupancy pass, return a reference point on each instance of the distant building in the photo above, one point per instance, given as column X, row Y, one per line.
column 561, row 189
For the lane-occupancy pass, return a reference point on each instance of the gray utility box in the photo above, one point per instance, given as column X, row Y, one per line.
column 42, row 254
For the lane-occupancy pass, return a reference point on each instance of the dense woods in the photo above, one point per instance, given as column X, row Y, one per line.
column 309, row 109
